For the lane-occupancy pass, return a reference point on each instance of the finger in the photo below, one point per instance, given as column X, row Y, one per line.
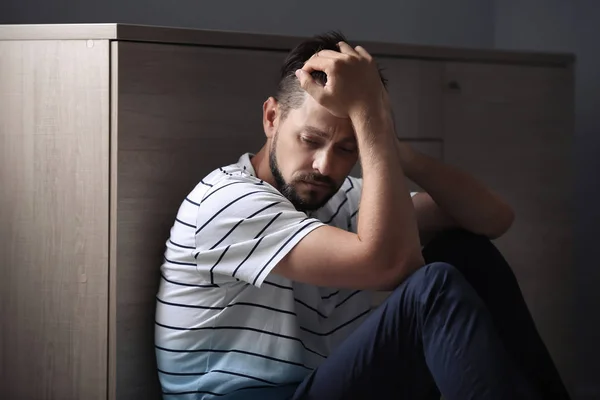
column 323, row 64
column 363, row 53
column 309, row 85
column 329, row 54
column 345, row 48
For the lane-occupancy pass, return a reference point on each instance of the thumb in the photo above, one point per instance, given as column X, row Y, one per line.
column 308, row 84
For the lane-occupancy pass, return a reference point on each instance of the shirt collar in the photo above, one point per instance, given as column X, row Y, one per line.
column 245, row 164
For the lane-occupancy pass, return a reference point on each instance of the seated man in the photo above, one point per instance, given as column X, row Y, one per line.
column 265, row 289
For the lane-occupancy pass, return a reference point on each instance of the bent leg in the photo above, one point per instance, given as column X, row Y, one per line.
column 486, row 270
column 433, row 327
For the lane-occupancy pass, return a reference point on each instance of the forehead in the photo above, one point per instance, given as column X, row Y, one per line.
column 312, row 116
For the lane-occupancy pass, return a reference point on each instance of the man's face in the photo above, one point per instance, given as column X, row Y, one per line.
column 311, row 154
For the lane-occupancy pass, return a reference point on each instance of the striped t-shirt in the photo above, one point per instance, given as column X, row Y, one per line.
column 225, row 326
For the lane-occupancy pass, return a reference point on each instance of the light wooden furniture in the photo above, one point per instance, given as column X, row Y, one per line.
column 105, row 128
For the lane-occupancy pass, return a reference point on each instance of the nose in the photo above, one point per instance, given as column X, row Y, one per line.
column 323, row 161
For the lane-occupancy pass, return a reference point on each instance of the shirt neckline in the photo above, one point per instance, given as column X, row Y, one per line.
column 246, row 165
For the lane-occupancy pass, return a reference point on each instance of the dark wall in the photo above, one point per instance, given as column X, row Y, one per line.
column 456, row 23
column 572, row 26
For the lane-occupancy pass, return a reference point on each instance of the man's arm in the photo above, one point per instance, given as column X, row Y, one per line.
column 386, row 247
column 452, row 198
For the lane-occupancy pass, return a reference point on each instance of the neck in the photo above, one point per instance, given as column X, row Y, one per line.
column 260, row 163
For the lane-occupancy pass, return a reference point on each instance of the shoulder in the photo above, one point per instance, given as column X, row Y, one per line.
column 236, row 199
column 238, row 188
column 220, row 177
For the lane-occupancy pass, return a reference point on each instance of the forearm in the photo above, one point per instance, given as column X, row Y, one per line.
column 467, row 201
column 386, row 217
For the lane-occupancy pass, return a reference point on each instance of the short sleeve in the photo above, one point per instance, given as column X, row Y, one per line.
column 244, row 228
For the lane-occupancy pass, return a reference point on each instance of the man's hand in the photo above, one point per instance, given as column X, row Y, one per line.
column 386, row 222
column 353, row 88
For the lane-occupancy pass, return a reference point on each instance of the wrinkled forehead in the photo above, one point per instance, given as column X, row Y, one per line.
column 313, row 118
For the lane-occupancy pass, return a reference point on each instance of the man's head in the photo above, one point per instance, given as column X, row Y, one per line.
column 311, row 151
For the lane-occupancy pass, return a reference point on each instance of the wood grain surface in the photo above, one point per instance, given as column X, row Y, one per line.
column 54, row 219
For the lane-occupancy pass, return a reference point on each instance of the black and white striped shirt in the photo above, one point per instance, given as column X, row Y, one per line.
column 225, row 326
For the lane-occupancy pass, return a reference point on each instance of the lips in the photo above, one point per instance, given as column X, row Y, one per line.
column 316, row 184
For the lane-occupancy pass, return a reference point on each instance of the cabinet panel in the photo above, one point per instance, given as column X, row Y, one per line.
column 511, row 126
column 182, row 111
column 415, row 89
column 54, row 219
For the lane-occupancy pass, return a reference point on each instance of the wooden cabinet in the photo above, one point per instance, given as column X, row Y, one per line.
column 509, row 125
column 105, row 128
column 54, row 219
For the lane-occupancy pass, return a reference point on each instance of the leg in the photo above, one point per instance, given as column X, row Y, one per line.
column 432, row 326
column 492, row 278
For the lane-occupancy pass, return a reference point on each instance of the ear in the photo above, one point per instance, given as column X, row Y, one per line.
column 270, row 117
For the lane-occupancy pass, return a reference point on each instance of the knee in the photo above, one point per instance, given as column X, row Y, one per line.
column 437, row 271
column 438, row 275
column 433, row 283
column 431, row 279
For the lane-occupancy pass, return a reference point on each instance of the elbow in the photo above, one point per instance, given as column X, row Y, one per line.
column 411, row 263
column 501, row 223
column 401, row 269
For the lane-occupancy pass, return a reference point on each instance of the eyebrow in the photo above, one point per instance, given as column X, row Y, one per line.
column 326, row 135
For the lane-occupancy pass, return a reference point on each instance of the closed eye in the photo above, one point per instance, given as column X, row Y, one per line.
column 349, row 150
column 309, row 141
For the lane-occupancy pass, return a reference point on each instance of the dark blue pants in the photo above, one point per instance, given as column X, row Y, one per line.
column 458, row 326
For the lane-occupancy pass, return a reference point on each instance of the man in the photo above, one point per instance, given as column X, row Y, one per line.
column 265, row 289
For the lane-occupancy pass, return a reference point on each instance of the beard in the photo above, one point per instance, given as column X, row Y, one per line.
column 313, row 200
